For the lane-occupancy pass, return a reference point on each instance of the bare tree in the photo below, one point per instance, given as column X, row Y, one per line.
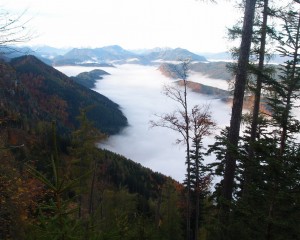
column 191, row 125
column 14, row 28
column 179, row 121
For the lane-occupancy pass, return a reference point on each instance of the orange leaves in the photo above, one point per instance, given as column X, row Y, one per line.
column 19, row 198
column 58, row 107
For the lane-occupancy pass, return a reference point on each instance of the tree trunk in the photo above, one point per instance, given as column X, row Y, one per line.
column 188, row 218
column 197, row 190
column 284, row 126
column 236, row 115
column 257, row 98
column 290, row 91
column 92, row 189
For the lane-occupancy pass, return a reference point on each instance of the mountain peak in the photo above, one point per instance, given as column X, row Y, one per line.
column 116, row 47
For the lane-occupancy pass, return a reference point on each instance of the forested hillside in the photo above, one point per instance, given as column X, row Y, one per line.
column 38, row 92
column 54, row 181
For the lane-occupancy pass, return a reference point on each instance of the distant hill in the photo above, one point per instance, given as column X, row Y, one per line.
column 38, row 92
column 216, row 70
column 98, row 55
column 8, row 53
column 169, row 70
column 49, row 52
column 172, row 71
column 204, row 89
column 173, row 55
column 88, row 79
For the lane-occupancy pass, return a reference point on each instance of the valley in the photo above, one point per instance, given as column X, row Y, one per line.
column 138, row 91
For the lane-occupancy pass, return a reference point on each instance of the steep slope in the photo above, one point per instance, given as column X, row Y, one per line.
column 126, row 173
column 43, row 93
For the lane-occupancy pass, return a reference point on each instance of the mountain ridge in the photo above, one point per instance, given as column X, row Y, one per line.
column 38, row 92
column 116, row 54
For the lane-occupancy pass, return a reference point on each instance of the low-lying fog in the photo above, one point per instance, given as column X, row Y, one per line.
column 138, row 91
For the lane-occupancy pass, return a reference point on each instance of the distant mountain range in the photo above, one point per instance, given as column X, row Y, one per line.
column 114, row 54
column 105, row 55
column 117, row 55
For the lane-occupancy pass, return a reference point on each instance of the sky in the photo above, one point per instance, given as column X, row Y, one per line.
column 199, row 26
column 138, row 91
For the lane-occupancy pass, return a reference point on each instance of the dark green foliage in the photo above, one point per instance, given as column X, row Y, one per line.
column 170, row 220
column 264, row 190
column 55, row 218
column 126, row 173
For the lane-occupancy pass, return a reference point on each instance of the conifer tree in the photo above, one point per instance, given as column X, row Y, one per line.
column 268, row 196
column 282, row 102
column 85, row 152
column 202, row 126
column 170, row 218
column 233, row 136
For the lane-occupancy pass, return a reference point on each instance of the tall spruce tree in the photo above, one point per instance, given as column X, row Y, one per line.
column 282, row 103
column 202, row 126
column 238, row 97
column 271, row 192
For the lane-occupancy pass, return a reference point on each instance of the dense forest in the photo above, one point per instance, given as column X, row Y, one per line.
column 56, row 184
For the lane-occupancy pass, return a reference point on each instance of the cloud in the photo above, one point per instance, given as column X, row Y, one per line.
column 138, row 90
column 132, row 24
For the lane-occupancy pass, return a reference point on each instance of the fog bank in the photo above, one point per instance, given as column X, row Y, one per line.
column 138, row 91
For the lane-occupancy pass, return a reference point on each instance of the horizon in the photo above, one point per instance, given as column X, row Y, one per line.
column 141, row 50
column 133, row 24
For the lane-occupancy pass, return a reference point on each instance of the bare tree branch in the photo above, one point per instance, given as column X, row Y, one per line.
column 14, row 28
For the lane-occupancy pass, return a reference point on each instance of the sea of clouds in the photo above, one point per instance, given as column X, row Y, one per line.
column 138, row 91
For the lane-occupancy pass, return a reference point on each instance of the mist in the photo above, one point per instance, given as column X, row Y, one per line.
column 138, row 91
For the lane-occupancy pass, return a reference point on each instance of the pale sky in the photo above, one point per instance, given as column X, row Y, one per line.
column 198, row 26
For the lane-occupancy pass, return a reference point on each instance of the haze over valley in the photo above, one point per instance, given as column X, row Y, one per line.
column 138, row 91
